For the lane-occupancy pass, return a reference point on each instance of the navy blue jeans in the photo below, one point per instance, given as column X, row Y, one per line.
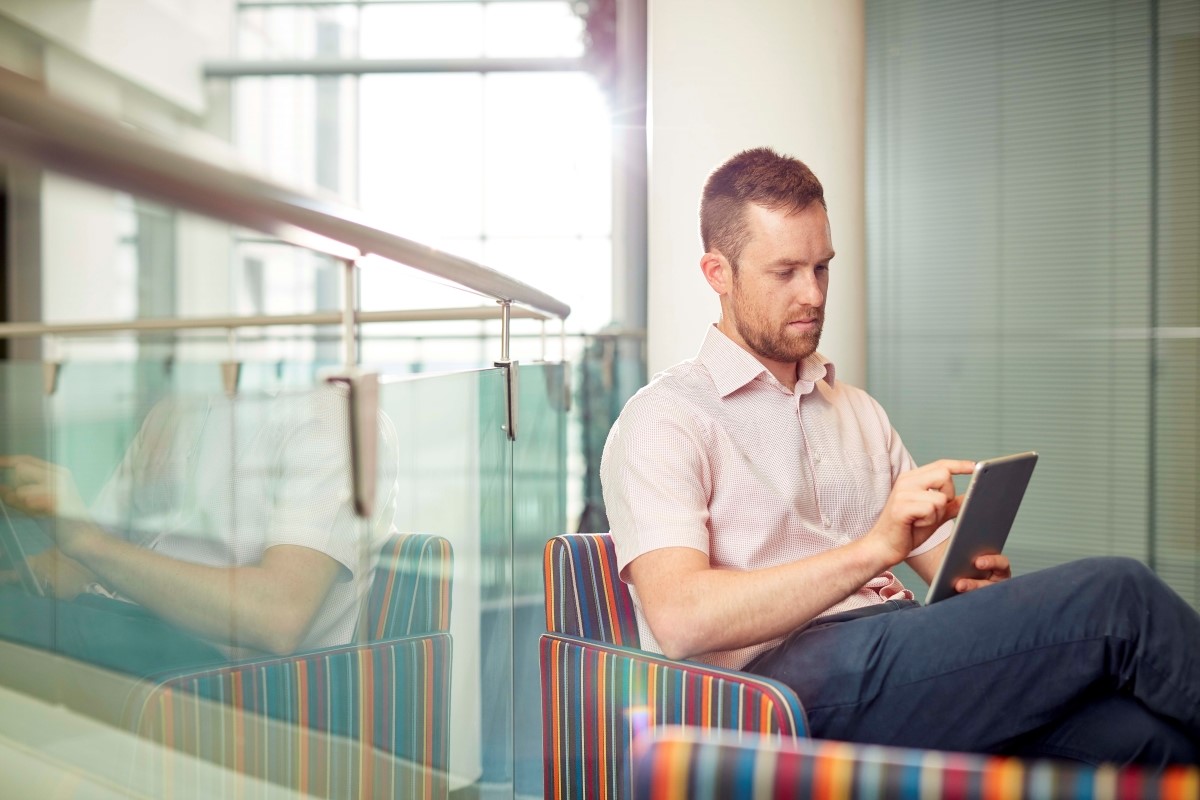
column 1095, row 661
column 119, row 636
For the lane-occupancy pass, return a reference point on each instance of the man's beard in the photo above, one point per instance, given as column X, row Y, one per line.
column 775, row 343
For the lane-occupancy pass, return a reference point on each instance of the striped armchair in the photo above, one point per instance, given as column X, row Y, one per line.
column 599, row 689
column 367, row 720
column 619, row 722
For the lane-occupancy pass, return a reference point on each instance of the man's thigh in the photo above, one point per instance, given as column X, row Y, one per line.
column 973, row 672
column 108, row 633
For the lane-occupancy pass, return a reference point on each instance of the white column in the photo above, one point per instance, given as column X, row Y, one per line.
column 728, row 76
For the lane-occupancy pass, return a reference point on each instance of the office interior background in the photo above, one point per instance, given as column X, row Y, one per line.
column 1014, row 190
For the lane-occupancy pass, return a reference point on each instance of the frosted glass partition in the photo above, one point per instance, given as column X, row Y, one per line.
column 415, row 700
column 539, row 512
column 135, row 477
column 455, row 482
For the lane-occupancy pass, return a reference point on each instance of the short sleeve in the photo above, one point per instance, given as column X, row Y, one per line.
column 656, row 480
column 939, row 536
column 312, row 499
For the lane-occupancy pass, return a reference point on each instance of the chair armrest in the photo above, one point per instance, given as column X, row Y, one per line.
column 688, row 762
column 597, row 696
column 325, row 704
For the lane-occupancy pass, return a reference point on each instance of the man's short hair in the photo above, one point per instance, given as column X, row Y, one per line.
column 760, row 176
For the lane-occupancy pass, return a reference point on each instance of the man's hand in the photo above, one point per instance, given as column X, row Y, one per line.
column 60, row 576
column 39, row 488
column 996, row 568
column 921, row 500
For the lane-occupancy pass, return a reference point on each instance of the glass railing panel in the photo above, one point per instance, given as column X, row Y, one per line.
column 455, row 482
column 539, row 512
column 216, row 534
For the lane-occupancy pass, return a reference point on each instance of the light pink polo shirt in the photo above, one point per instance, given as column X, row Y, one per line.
column 717, row 455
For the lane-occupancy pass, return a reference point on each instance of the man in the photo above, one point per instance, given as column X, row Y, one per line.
column 227, row 530
column 758, row 506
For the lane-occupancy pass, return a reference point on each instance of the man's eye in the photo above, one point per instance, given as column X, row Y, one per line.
column 784, row 275
column 822, row 268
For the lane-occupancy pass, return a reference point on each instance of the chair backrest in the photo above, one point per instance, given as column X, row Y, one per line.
column 585, row 595
column 410, row 592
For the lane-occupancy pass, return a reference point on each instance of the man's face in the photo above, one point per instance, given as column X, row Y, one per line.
column 776, row 304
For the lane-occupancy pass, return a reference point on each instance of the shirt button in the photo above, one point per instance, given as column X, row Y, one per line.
column 816, row 459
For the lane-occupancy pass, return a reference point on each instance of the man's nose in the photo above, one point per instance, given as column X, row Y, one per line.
column 810, row 292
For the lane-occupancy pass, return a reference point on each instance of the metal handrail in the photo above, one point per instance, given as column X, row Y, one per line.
column 13, row 330
column 40, row 130
column 266, row 67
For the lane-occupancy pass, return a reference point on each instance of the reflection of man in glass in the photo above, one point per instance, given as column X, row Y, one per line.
column 227, row 529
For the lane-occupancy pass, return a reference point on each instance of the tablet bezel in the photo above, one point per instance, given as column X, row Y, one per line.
column 989, row 507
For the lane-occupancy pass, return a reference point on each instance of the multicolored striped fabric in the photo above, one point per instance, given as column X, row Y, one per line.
column 596, row 695
column 360, row 721
column 584, row 593
column 410, row 592
column 357, row 721
column 683, row 763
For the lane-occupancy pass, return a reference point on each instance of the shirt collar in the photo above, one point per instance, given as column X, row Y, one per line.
column 732, row 367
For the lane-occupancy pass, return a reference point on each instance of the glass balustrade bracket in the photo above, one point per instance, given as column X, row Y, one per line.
column 510, row 396
column 50, row 373
column 362, row 404
column 510, row 369
column 231, row 374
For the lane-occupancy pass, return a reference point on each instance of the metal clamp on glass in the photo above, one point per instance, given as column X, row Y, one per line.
column 363, row 405
column 510, row 369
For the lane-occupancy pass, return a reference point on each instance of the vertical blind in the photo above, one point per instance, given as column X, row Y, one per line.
column 1032, row 269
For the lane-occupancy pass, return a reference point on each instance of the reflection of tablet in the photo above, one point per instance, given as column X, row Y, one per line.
column 10, row 543
column 987, row 513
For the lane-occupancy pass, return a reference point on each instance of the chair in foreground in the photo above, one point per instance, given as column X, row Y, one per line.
column 598, row 688
column 367, row 720
column 675, row 763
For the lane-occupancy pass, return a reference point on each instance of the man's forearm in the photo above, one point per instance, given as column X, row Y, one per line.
column 251, row 606
column 694, row 609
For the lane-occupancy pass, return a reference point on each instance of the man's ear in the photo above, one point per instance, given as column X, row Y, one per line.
column 717, row 271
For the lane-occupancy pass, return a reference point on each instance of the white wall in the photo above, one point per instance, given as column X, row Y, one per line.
column 159, row 45
column 724, row 77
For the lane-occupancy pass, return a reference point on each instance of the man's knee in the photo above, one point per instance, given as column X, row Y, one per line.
column 1116, row 570
column 1123, row 583
column 1116, row 567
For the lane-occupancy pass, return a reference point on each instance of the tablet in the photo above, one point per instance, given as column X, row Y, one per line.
column 984, row 519
column 10, row 544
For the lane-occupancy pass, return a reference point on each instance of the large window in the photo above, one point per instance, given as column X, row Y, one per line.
column 435, row 133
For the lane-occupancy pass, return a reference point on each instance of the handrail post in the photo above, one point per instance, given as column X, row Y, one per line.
column 349, row 323
column 510, row 368
column 566, row 367
column 362, row 400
